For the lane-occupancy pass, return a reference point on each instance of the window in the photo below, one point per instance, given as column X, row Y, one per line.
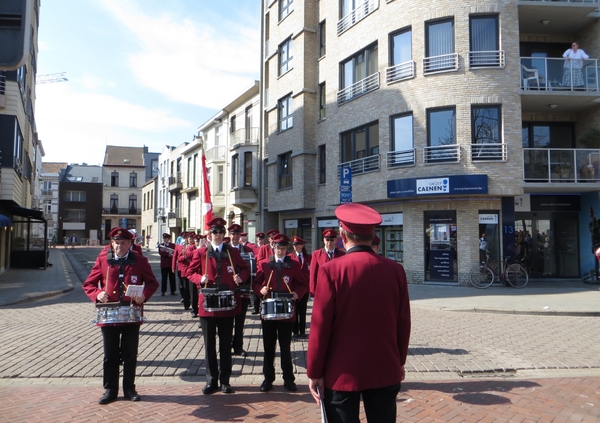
column 133, row 204
column 114, row 179
column 189, row 182
column 248, row 169
column 285, row 118
column 114, row 204
column 347, row 6
column 439, row 46
column 284, row 170
column 284, row 54
column 322, row 164
column 441, row 134
column 322, row 101
column 322, row 35
column 360, row 142
column 486, row 133
column 194, row 169
column 130, row 223
column 220, row 180
column 401, row 64
column 133, row 179
column 218, row 135
column 402, row 149
column 484, row 40
column 249, row 117
column 17, row 149
column 232, row 123
column 75, row 196
column 235, row 166
column 285, row 8
column 359, row 66
column 74, row 215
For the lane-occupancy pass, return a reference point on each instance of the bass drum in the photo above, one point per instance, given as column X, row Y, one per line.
column 246, row 287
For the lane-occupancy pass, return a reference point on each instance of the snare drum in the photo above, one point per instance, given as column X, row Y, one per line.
column 110, row 314
column 277, row 309
column 219, row 301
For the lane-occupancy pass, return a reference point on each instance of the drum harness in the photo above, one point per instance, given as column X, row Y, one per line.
column 285, row 263
column 113, row 261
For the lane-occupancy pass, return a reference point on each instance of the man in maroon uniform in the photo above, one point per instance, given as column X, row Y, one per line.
column 113, row 272
column 323, row 255
column 303, row 258
column 260, row 240
column 279, row 275
column 218, row 266
column 183, row 258
column 166, row 251
column 349, row 357
column 181, row 241
column 267, row 250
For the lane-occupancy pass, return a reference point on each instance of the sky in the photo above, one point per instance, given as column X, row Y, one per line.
column 140, row 72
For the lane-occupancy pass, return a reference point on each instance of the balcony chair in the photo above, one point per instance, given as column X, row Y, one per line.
column 530, row 74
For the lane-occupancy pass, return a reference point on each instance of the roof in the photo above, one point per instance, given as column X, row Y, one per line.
column 124, row 156
column 53, row 167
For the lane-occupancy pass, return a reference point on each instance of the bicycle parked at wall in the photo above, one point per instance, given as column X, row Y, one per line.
column 489, row 271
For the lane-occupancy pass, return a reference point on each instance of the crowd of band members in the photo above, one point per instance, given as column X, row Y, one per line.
column 216, row 261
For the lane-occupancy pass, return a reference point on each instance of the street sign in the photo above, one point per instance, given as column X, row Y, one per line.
column 345, row 184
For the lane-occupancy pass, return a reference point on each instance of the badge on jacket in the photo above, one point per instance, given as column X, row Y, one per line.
column 229, row 269
column 134, row 279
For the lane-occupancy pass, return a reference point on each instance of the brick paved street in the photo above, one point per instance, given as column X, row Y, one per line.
column 462, row 366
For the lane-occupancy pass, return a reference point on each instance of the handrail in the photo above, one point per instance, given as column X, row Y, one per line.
column 362, row 87
column 364, row 165
column 358, row 14
column 489, row 152
column 558, row 74
column 486, row 59
column 571, row 165
column 401, row 158
column 441, row 153
column 442, row 63
column 400, row 72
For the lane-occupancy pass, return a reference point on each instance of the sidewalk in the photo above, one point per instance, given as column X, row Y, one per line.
column 572, row 298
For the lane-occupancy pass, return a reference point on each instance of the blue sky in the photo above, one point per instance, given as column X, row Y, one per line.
column 141, row 72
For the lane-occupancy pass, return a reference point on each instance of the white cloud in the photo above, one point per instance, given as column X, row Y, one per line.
column 93, row 83
column 190, row 61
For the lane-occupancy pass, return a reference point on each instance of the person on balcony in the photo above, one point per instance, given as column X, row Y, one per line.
column 574, row 57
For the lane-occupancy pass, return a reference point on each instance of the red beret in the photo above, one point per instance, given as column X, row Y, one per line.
column 235, row 228
column 376, row 240
column 120, row 233
column 329, row 232
column 244, row 234
column 298, row 240
column 217, row 221
column 166, row 235
column 357, row 218
column 281, row 239
column 272, row 232
column 190, row 234
column 260, row 235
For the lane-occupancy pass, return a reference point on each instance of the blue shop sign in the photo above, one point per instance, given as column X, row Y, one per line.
column 441, row 185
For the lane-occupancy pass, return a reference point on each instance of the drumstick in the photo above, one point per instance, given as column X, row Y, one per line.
column 268, row 282
column 231, row 262
column 288, row 286
column 206, row 268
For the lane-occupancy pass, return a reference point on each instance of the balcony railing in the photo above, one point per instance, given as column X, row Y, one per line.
column 174, row 214
column 244, row 136
column 561, row 165
column 122, row 211
column 489, row 152
column 358, row 14
column 362, row 87
column 401, row 158
column 400, row 72
column 442, row 63
column 175, row 182
column 486, row 59
column 441, row 154
column 364, row 165
column 216, row 153
column 552, row 74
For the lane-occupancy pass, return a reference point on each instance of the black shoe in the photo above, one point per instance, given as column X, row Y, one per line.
column 132, row 396
column 210, row 389
column 227, row 389
column 173, row 293
column 194, row 314
column 254, row 311
column 107, row 398
column 290, row 386
column 266, row 386
column 162, row 294
column 241, row 352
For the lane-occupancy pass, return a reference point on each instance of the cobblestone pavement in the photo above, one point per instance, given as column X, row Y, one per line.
column 463, row 367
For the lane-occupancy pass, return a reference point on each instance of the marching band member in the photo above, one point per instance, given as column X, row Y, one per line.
column 235, row 232
column 268, row 249
column 113, row 271
column 166, row 251
column 279, row 275
column 218, row 266
column 303, row 258
column 323, row 255
column 183, row 257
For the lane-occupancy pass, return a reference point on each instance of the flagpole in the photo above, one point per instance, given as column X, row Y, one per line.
column 208, row 213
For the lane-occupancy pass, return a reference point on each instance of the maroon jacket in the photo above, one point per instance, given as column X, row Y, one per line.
column 291, row 273
column 198, row 267
column 305, row 266
column 105, row 277
column 182, row 258
column 166, row 257
column 360, row 325
column 263, row 253
column 319, row 258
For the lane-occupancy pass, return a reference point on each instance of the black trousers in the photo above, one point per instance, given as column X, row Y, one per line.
column 210, row 327
column 182, row 290
column 380, row 405
column 273, row 330
column 240, row 319
column 167, row 274
column 120, row 341
column 300, row 323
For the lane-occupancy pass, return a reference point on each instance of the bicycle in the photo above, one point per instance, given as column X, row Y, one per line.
column 484, row 275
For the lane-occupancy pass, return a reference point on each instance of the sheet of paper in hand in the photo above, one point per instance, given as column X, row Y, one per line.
column 134, row 290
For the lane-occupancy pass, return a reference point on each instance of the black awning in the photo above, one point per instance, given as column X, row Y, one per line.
column 5, row 221
column 11, row 207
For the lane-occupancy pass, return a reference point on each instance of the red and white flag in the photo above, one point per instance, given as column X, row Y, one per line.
column 206, row 203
